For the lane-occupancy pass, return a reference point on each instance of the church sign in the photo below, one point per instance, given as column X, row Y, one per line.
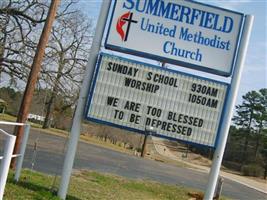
column 136, row 96
column 186, row 33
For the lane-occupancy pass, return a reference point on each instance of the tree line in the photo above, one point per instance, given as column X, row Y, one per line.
column 246, row 148
column 66, row 54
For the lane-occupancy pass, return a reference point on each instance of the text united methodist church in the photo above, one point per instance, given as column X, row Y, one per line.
column 182, row 14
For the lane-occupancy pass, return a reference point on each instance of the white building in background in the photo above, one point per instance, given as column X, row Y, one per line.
column 35, row 117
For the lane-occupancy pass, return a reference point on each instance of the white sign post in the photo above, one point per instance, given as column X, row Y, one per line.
column 186, row 33
column 78, row 115
column 134, row 95
column 218, row 154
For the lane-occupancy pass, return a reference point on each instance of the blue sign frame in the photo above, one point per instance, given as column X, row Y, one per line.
column 90, row 95
column 174, row 61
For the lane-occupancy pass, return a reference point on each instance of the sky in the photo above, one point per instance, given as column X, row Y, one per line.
column 254, row 76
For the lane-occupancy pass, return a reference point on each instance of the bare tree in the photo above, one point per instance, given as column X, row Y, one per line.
column 21, row 23
column 66, row 59
column 18, row 20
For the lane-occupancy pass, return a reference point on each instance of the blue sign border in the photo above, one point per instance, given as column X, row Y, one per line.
column 177, row 62
column 92, row 89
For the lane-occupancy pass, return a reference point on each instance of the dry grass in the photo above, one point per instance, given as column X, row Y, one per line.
column 89, row 185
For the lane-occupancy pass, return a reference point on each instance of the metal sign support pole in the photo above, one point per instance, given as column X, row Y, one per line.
column 218, row 154
column 78, row 116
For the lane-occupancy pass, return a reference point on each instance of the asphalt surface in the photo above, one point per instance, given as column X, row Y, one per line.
column 48, row 158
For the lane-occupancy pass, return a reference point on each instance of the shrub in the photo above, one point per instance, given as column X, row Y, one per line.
column 252, row 170
column 232, row 165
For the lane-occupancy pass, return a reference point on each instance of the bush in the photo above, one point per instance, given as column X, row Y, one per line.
column 252, row 170
column 232, row 165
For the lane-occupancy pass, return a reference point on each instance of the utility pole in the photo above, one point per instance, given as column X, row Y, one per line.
column 35, row 69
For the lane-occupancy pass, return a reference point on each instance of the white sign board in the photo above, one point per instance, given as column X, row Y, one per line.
column 186, row 33
column 137, row 96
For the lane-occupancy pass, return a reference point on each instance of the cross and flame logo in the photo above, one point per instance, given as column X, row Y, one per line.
column 126, row 18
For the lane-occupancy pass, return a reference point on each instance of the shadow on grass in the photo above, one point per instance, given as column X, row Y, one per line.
column 41, row 189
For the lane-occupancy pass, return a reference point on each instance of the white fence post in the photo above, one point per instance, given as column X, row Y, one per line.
column 5, row 163
column 23, row 146
column 22, row 151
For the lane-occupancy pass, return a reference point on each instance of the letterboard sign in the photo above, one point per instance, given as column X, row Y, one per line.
column 186, row 33
column 137, row 96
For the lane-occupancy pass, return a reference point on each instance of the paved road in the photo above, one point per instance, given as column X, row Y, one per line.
column 49, row 159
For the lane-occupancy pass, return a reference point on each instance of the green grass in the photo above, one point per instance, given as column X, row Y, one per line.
column 6, row 117
column 32, row 186
column 113, row 187
column 91, row 186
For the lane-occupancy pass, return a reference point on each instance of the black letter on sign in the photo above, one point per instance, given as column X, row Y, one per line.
column 112, row 101
column 135, row 118
column 118, row 114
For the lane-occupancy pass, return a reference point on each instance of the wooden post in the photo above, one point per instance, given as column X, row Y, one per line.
column 143, row 151
column 218, row 189
column 35, row 69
